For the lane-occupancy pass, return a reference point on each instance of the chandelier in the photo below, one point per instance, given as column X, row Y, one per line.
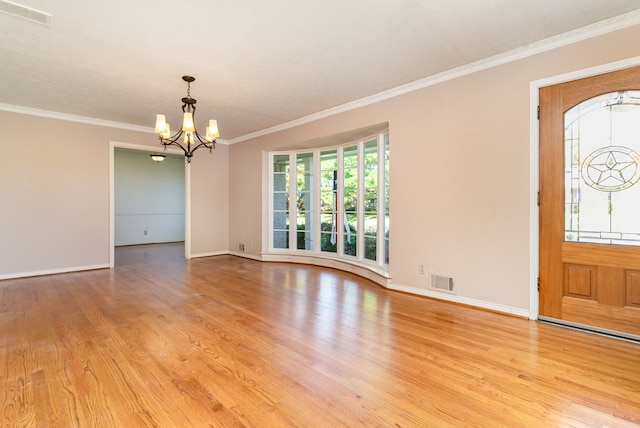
column 192, row 140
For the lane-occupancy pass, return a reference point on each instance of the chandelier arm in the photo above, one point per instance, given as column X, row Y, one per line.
column 173, row 139
column 209, row 145
column 175, row 136
column 166, row 143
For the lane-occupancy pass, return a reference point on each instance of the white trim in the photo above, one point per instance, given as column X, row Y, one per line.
column 187, row 191
column 462, row 300
column 587, row 72
column 245, row 255
column 544, row 45
column 266, row 214
column 187, row 210
column 534, row 185
column 112, row 204
column 213, row 253
column 534, row 153
column 84, row 119
column 293, row 201
column 340, row 204
column 54, row 271
column 379, row 276
column 74, row 118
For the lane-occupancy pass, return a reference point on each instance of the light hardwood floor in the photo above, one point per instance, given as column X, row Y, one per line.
column 225, row 341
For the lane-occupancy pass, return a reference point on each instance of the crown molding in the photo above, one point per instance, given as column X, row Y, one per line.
column 544, row 45
column 73, row 118
column 84, row 119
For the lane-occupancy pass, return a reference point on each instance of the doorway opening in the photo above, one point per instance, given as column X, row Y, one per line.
column 149, row 201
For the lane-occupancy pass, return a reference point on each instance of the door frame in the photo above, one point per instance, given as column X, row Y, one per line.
column 534, row 164
column 187, row 196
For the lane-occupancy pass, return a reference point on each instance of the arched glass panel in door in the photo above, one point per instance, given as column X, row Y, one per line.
column 602, row 170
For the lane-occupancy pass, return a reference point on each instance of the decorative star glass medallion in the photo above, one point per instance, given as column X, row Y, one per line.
column 611, row 169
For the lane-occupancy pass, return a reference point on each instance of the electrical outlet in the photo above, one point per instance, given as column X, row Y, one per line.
column 421, row 269
column 145, row 233
column 241, row 247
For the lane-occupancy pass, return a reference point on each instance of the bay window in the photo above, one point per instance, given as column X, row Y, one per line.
column 332, row 202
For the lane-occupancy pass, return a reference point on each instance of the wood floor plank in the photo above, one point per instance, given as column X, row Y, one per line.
column 231, row 342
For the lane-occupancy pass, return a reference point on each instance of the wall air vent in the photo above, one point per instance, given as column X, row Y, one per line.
column 25, row 12
column 442, row 283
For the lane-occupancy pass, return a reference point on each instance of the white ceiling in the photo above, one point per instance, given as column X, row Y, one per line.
column 257, row 63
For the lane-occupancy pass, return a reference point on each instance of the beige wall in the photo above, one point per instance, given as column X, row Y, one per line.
column 210, row 201
column 54, row 194
column 460, row 172
column 460, row 193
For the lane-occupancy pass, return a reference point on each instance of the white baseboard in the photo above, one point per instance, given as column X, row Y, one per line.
column 232, row 253
column 214, row 253
column 462, row 300
column 376, row 275
column 246, row 255
column 53, row 271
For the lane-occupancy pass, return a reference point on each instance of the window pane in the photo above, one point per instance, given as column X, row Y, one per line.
column 350, row 244
column 280, row 182
column 280, row 201
column 329, row 160
column 280, row 239
column 350, row 232
column 305, row 200
column 304, row 240
column 280, row 196
column 386, row 198
column 371, row 175
column 328, row 199
column 386, row 251
column 350, row 157
column 329, row 243
column 371, row 226
column 280, row 220
column 370, row 249
column 281, row 164
column 304, row 177
column 371, row 200
column 602, row 170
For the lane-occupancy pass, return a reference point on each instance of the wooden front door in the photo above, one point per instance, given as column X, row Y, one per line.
column 590, row 202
